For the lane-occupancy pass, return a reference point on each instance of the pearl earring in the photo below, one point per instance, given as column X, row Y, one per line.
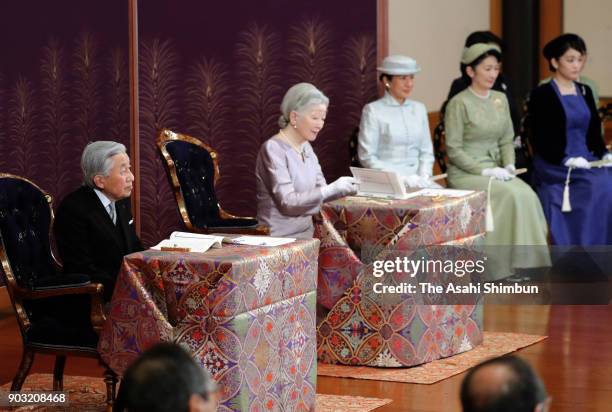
column 294, row 125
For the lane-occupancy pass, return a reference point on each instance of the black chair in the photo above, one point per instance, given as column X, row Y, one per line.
column 439, row 143
column 439, row 140
column 605, row 113
column 193, row 171
column 41, row 296
column 353, row 147
column 526, row 134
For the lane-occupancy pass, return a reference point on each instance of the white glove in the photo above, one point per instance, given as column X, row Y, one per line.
column 607, row 158
column 343, row 186
column 425, row 182
column 511, row 168
column 498, row 173
column 412, row 181
column 578, row 162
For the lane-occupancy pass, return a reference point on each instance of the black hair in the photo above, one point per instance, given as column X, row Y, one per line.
column 557, row 47
column 382, row 77
column 477, row 61
column 483, row 37
column 162, row 379
column 522, row 391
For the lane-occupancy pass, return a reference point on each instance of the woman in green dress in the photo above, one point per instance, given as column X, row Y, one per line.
column 479, row 138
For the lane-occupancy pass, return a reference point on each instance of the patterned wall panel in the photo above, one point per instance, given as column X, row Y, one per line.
column 218, row 71
column 214, row 70
column 63, row 83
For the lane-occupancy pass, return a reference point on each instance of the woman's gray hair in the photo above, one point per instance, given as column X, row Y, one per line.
column 298, row 98
column 96, row 159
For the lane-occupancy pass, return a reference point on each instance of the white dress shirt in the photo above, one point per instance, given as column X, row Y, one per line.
column 106, row 202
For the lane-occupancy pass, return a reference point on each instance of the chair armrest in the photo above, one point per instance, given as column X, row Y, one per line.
column 262, row 230
column 223, row 214
column 257, row 230
column 98, row 318
column 90, row 289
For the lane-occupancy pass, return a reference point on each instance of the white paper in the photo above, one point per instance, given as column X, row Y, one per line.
column 442, row 192
column 195, row 242
column 261, row 240
column 378, row 183
column 601, row 163
column 198, row 242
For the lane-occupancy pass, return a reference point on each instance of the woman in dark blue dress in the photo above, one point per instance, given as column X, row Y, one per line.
column 566, row 138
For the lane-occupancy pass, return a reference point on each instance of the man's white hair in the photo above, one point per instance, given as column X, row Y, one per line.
column 96, row 159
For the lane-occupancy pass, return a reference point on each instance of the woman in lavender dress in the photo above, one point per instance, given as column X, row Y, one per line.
column 290, row 183
column 566, row 138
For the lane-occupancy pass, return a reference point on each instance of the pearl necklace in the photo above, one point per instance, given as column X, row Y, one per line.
column 301, row 152
column 486, row 96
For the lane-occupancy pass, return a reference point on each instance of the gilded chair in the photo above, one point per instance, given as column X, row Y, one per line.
column 193, row 169
column 39, row 292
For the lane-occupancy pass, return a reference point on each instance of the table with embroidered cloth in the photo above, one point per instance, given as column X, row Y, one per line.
column 246, row 313
column 357, row 326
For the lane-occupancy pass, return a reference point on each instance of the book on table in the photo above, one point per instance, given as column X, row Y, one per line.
column 379, row 184
column 198, row 242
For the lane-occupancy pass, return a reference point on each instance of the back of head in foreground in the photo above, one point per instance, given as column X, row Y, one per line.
column 165, row 378
column 505, row 384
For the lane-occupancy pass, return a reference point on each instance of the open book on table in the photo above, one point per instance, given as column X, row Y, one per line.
column 197, row 242
column 379, row 184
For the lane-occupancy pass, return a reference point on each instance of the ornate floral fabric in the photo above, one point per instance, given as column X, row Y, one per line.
column 494, row 344
column 362, row 328
column 247, row 314
column 353, row 231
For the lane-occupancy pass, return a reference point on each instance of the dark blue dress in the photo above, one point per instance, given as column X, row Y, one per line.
column 590, row 221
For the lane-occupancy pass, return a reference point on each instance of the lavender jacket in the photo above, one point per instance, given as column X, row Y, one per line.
column 288, row 188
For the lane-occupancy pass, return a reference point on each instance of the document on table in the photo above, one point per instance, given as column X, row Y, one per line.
column 378, row 183
column 198, row 242
column 261, row 240
column 601, row 163
column 442, row 192
column 189, row 242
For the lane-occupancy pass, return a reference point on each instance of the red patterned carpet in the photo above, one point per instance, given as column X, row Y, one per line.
column 495, row 344
column 87, row 393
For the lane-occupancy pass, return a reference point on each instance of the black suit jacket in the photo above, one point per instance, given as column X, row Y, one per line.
column 547, row 124
column 87, row 240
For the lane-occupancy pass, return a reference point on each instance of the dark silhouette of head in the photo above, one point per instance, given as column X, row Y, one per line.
column 505, row 384
column 165, row 378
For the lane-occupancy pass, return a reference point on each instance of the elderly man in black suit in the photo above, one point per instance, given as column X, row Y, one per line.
column 94, row 227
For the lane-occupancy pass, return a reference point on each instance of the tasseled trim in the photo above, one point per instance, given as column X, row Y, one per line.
column 489, row 225
column 567, row 206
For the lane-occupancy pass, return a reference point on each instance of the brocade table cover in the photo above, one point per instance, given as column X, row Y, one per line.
column 246, row 313
column 359, row 327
